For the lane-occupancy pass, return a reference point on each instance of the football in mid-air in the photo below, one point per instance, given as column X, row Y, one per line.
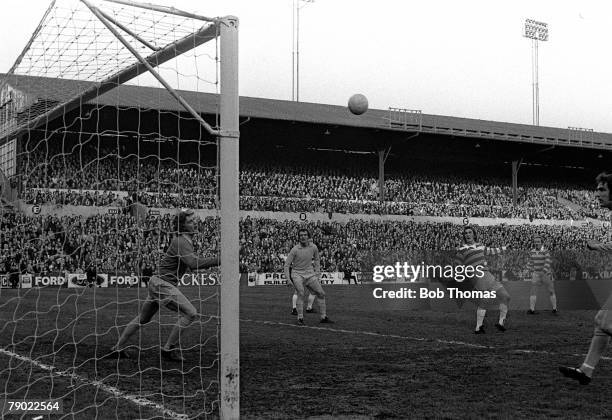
column 358, row 104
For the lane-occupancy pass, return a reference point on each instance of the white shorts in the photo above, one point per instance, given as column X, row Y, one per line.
column 307, row 280
column 539, row 278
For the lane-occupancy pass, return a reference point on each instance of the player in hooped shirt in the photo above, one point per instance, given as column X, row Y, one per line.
column 540, row 265
column 162, row 288
column 473, row 254
column 303, row 269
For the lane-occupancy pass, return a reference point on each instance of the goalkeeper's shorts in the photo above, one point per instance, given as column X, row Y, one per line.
column 170, row 296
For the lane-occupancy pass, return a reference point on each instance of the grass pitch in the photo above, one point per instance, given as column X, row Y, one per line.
column 369, row 364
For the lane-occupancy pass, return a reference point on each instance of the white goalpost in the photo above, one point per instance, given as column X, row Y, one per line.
column 229, row 145
column 109, row 105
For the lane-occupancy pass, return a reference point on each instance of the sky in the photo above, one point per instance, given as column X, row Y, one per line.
column 447, row 57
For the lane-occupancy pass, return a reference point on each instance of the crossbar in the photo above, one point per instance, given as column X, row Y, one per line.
column 170, row 52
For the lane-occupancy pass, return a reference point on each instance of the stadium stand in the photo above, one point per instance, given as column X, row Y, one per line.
column 108, row 178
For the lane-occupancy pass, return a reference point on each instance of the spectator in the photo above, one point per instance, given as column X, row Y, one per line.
column 104, row 178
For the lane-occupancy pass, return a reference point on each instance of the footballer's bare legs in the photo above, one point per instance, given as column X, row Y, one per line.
column 553, row 296
column 315, row 288
column 533, row 296
column 599, row 342
column 299, row 290
column 480, row 316
column 187, row 315
column 149, row 308
column 311, row 299
column 504, row 298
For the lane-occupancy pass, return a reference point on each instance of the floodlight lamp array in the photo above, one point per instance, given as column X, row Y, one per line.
column 536, row 30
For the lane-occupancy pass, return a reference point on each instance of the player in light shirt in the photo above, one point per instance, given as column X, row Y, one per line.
column 303, row 269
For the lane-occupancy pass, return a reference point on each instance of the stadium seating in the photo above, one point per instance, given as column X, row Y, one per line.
column 104, row 178
column 101, row 177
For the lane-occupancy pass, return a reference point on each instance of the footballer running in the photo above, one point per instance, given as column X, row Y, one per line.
column 603, row 319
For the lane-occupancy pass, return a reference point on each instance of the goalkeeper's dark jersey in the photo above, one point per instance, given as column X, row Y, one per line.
column 172, row 267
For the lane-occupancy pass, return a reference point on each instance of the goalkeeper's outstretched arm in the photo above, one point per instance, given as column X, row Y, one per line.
column 196, row 262
column 193, row 261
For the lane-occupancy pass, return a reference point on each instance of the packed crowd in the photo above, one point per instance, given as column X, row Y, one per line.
column 114, row 243
column 71, row 243
column 117, row 199
column 109, row 169
column 105, row 178
column 406, row 194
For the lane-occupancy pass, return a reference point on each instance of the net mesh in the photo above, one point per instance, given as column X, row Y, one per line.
column 99, row 185
column 72, row 44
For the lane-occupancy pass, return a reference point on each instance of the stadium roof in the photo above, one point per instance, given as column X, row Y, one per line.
column 52, row 89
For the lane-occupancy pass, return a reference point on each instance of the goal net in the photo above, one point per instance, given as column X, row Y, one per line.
column 118, row 114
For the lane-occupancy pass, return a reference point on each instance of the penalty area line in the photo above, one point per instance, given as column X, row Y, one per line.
column 135, row 399
column 358, row 332
column 375, row 334
column 403, row 337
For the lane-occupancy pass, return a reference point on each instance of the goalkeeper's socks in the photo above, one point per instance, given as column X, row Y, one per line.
column 532, row 303
column 553, row 301
column 294, row 301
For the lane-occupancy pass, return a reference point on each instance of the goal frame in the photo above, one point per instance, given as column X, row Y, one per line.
column 229, row 140
column 226, row 30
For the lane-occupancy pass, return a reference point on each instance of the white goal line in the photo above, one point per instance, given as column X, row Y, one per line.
column 116, row 392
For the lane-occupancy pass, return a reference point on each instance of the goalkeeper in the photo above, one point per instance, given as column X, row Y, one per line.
column 163, row 289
